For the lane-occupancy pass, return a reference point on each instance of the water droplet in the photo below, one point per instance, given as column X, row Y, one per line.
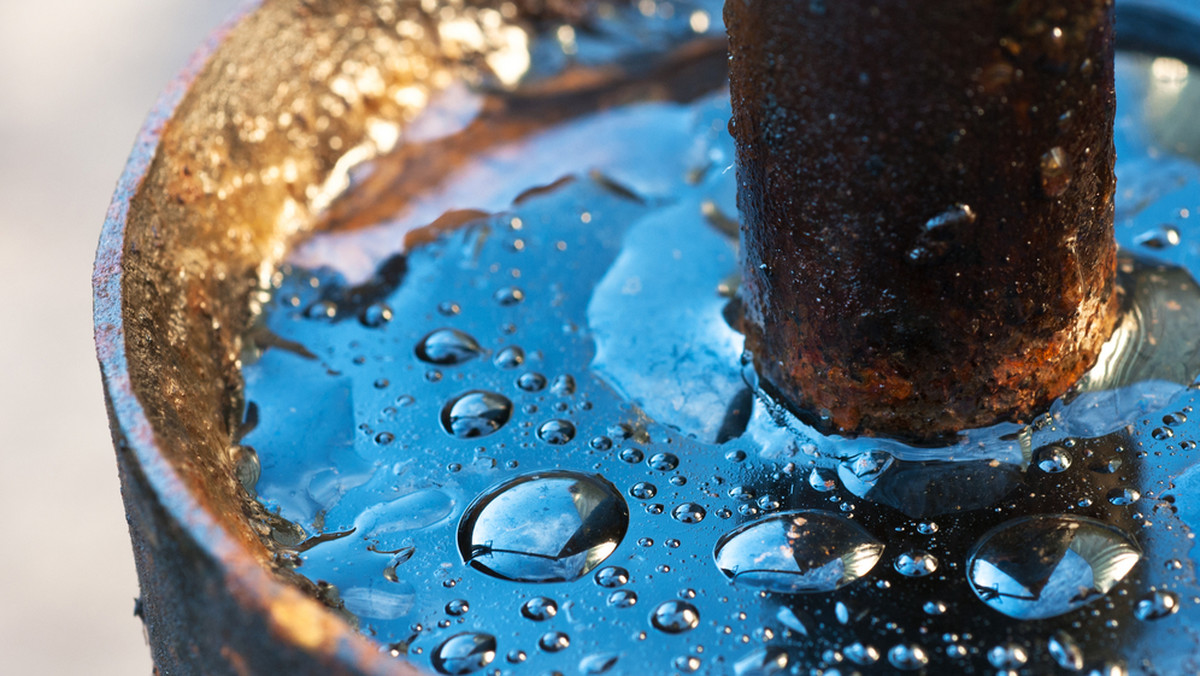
column 1008, row 656
column 1056, row 172
column 1123, row 496
column 464, row 653
column 675, row 617
column 687, row 663
column 531, row 382
column 539, row 608
column 631, row 455
column 908, row 657
column 1065, row 651
column 563, row 385
column 448, row 308
column 509, row 295
column 663, row 462
column 611, row 576
column 545, row 527
column 935, row 608
column 622, row 598
column 476, row 414
column 916, row 563
column 959, row 214
column 927, row 528
column 399, row 557
column 556, row 432
column 599, row 663
column 447, row 347
column 643, row 490
column 1052, row 459
column 322, row 309
column 554, row 641
column 822, row 479
column 375, row 315
column 1042, row 566
column 861, row 654
column 689, row 512
column 769, row 661
column 457, row 607
column 515, row 656
column 600, row 443
column 384, row 438
column 735, row 456
column 1156, row 605
column 509, row 358
column 1162, row 433
column 800, row 551
column 1162, row 237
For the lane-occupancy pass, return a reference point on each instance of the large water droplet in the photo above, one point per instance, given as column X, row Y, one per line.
column 545, row 527
column 476, row 414
column 464, row 653
column 1042, row 566
column 447, row 347
column 799, row 551
column 675, row 617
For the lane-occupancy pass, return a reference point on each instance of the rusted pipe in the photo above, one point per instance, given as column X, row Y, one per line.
column 926, row 189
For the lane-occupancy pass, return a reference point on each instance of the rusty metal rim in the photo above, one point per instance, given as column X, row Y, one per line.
column 255, row 588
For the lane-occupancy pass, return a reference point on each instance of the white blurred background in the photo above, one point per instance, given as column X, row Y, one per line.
column 76, row 79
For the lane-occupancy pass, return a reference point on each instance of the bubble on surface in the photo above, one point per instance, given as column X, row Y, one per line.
column 448, row 347
column 1043, row 566
column 675, row 617
column 464, row 653
column 543, row 527
column 798, row 551
column 476, row 414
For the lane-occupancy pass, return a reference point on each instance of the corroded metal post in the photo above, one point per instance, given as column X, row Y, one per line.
column 927, row 197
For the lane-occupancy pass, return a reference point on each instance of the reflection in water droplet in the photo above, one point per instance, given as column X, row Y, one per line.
column 1008, row 656
column 1052, row 459
column 457, row 607
column 861, row 654
column 631, row 455
column 447, row 347
column 476, row 414
column 822, row 479
column 1056, row 172
column 1156, row 605
column 800, row 551
column 464, row 653
column 675, row 617
column 545, row 527
column 597, row 664
column 663, row 462
column 643, row 490
column 1065, row 651
column 531, row 382
column 1123, row 496
column 908, row 657
column 935, row 608
column 611, row 576
column 515, row 656
column 509, row 295
column 563, row 385
column 1162, row 237
column 622, row 598
column 689, row 512
column 539, row 608
column 916, row 563
column 375, row 315
column 554, row 641
column 767, row 661
column 556, row 432
column 1042, row 566
column 509, row 358
column 687, row 663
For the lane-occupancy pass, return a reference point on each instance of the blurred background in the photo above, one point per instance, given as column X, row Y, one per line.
column 76, row 79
